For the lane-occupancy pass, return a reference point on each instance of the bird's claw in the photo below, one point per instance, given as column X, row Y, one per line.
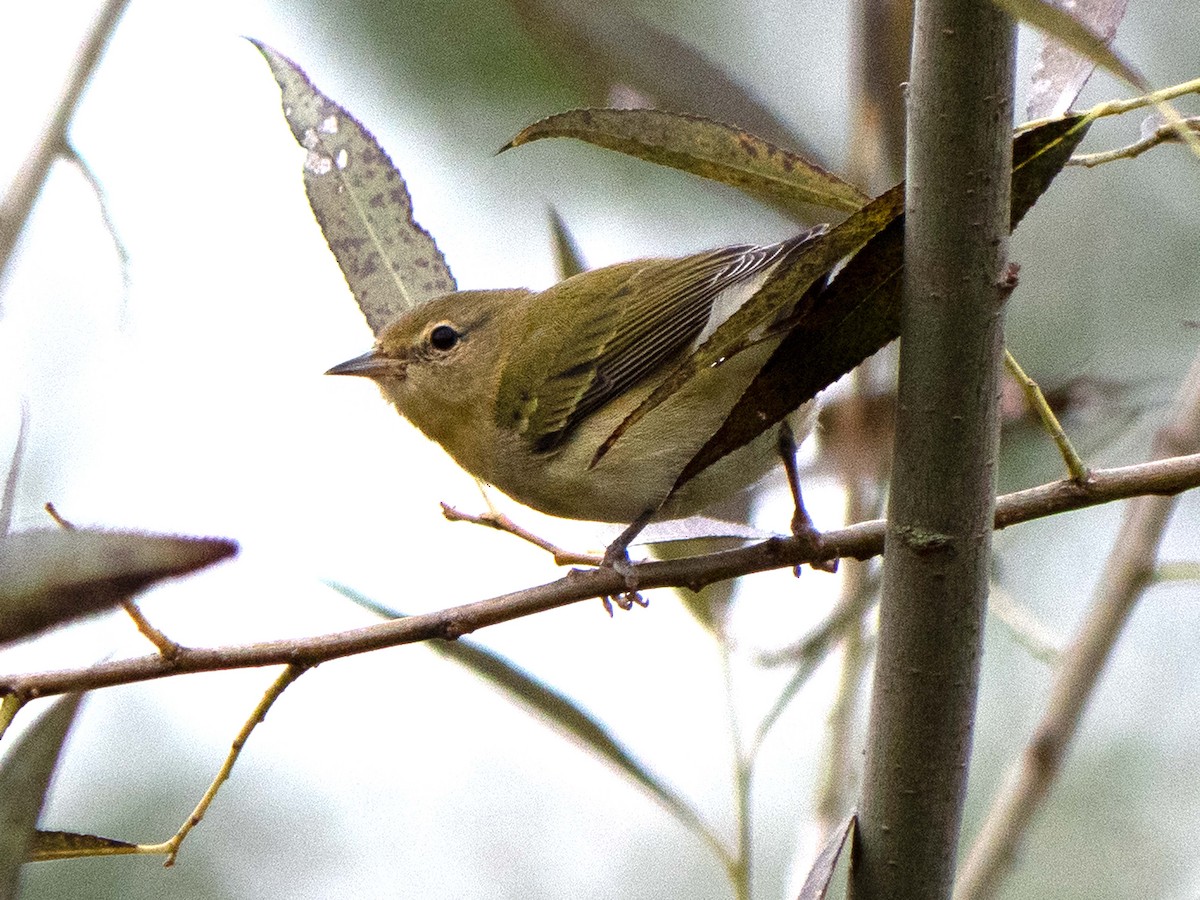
column 616, row 557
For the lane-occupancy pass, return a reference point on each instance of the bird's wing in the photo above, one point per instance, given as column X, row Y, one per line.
column 598, row 348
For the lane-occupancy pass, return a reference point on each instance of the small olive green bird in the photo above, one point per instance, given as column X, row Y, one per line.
column 522, row 388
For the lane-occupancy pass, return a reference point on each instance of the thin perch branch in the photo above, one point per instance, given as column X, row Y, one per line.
column 860, row 541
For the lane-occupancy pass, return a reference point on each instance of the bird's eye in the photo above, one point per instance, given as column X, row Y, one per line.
column 443, row 337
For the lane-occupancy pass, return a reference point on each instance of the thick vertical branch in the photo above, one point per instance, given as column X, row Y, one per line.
column 942, row 499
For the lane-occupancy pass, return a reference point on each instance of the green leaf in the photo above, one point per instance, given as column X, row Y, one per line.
column 784, row 288
column 566, row 251
column 48, row 577
column 24, row 779
column 615, row 52
column 47, row 845
column 1066, row 29
column 556, row 708
column 706, row 148
column 859, row 312
column 361, row 202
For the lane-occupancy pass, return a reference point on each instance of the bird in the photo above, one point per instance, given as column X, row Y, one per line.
column 522, row 388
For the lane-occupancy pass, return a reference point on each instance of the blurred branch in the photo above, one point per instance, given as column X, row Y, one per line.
column 1129, row 570
column 23, row 191
column 859, row 541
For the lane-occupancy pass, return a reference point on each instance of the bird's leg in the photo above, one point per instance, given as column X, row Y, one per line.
column 616, row 557
column 802, row 523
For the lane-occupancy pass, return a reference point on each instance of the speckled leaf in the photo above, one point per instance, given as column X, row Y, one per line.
column 48, row 577
column 859, row 312
column 24, row 779
column 360, row 200
column 614, row 51
column 1060, row 72
column 705, row 148
column 816, row 885
column 1061, row 25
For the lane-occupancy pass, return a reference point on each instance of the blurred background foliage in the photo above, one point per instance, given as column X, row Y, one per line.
column 433, row 786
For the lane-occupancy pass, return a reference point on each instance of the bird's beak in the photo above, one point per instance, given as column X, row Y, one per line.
column 370, row 365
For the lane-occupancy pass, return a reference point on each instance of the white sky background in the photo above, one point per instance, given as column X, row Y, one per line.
column 194, row 402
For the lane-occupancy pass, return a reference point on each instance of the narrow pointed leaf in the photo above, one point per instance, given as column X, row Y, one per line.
column 816, row 885
column 9, row 498
column 556, row 708
column 566, row 252
column 1060, row 72
column 24, row 779
column 48, row 577
column 48, row 845
column 361, row 202
column 784, row 288
column 610, row 48
column 1055, row 21
column 859, row 312
column 706, row 148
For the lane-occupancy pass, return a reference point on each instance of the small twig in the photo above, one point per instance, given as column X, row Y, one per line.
column 53, row 513
column 19, row 199
column 1037, row 402
column 80, row 846
column 501, row 522
column 105, row 216
column 167, row 648
column 1177, row 571
column 1023, row 625
column 171, row 847
column 1166, row 133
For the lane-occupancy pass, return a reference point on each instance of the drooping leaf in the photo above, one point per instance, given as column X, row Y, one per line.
column 48, row 845
column 859, row 312
column 706, row 148
column 566, row 252
column 816, row 885
column 554, row 707
column 784, row 287
column 24, row 779
column 361, row 202
column 614, row 51
column 48, row 577
column 1065, row 28
column 1060, row 72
